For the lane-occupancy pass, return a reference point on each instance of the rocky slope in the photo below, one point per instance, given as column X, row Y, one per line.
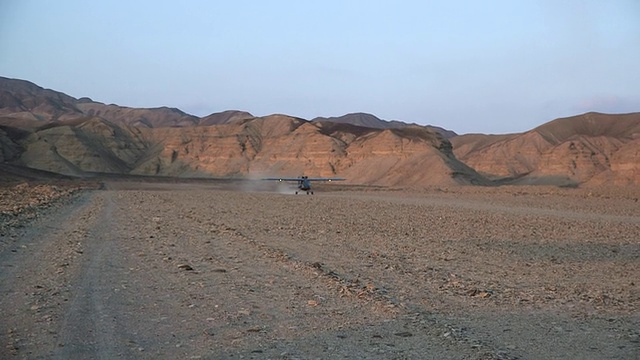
column 27, row 105
column 47, row 130
column 586, row 149
column 80, row 137
column 371, row 121
column 267, row 146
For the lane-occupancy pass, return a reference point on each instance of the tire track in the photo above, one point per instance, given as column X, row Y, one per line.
column 90, row 327
column 36, row 276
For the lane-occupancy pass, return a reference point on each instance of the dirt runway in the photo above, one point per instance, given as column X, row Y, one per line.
column 196, row 272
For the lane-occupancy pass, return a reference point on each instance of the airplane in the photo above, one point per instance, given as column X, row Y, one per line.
column 304, row 182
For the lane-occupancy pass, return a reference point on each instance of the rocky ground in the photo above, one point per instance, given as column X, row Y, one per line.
column 207, row 271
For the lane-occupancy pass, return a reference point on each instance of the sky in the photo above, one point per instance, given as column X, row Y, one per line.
column 468, row 66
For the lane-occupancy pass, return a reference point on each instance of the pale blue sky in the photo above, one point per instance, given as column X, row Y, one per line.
column 469, row 66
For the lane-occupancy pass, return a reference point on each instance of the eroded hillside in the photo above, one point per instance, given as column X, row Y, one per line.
column 48, row 130
column 272, row 145
column 587, row 149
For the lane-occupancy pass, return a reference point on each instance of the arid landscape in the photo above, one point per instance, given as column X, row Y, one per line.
column 51, row 131
column 148, row 233
column 215, row 270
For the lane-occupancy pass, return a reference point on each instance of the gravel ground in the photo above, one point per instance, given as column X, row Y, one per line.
column 208, row 272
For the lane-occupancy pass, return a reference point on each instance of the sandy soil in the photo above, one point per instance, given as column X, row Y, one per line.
column 206, row 271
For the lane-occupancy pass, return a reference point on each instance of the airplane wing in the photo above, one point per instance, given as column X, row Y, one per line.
column 326, row 179
column 301, row 179
column 284, row 179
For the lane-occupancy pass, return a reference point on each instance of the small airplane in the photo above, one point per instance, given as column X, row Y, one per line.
column 304, row 182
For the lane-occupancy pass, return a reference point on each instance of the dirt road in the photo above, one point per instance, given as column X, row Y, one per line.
column 189, row 272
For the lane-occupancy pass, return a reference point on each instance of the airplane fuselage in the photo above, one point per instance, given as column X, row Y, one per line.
column 304, row 182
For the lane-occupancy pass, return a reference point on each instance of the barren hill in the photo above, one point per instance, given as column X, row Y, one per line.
column 225, row 117
column 372, row 121
column 591, row 148
column 27, row 105
column 48, row 130
column 272, row 145
column 155, row 117
column 362, row 119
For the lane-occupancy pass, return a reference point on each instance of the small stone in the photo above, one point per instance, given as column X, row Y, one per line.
column 186, row 267
column 403, row 334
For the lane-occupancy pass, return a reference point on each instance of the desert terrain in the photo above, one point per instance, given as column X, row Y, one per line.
column 48, row 130
column 246, row 270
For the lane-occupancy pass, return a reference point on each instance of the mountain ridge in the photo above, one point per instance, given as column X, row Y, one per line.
column 149, row 117
column 372, row 121
column 47, row 130
column 591, row 148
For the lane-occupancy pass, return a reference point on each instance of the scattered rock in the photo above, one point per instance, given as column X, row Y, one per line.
column 404, row 334
column 186, row 267
column 483, row 294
